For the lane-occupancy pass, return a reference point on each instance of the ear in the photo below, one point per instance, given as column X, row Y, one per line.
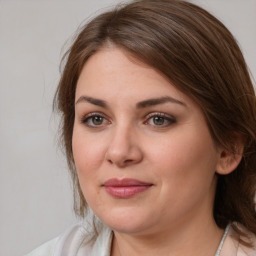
column 229, row 158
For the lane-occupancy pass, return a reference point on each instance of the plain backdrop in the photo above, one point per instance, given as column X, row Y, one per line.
column 35, row 189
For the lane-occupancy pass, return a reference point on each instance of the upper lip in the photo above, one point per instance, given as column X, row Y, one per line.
column 125, row 183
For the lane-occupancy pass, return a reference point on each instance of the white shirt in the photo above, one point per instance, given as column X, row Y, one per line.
column 77, row 241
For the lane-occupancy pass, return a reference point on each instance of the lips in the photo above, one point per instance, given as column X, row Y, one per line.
column 125, row 188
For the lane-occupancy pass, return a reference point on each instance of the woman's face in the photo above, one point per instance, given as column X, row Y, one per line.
column 144, row 155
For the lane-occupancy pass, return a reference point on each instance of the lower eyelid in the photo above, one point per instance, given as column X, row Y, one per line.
column 86, row 118
column 170, row 121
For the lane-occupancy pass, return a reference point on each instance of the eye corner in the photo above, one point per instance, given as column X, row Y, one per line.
column 159, row 120
column 95, row 120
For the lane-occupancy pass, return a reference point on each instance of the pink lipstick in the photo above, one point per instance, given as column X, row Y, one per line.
column 125, row 188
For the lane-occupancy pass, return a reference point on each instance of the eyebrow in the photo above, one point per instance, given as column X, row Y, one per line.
column 93, row 101
column 141, row 104
column 157, row 101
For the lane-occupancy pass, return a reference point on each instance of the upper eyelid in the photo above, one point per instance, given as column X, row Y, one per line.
column 85, row 120
column 170, row 119
column 96, row 113
column 147, row 116
column 161, row 114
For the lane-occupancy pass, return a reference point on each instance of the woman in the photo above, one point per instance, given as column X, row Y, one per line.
column 159, row 130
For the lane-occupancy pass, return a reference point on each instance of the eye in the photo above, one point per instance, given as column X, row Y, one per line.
column 94, row 120
column 160, row 119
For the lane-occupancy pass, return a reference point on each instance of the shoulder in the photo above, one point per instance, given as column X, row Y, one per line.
column 77, row 241
column 45, row 249
column 240, row 245
column 243, row 249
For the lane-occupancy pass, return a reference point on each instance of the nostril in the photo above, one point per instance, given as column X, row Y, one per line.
column 110, row 161
column 128, row 161
column 121, row 154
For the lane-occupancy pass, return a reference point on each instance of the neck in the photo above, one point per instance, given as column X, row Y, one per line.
column 183, row 239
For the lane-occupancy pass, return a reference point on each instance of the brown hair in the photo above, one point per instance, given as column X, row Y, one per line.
column 198, row 54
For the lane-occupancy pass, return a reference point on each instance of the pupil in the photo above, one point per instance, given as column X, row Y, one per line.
column 158, row 120
column 97, row 120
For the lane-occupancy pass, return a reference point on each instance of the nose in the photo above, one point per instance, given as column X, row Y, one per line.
column 124, row 148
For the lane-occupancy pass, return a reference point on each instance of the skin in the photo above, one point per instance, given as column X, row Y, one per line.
column 167, row 145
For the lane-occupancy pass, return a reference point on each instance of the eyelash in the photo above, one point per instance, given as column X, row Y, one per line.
column 89, row 118
column 167, row 119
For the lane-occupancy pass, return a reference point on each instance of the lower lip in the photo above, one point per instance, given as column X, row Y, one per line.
column 126, row 192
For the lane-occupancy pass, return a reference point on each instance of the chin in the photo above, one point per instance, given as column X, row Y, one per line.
column 126, row 220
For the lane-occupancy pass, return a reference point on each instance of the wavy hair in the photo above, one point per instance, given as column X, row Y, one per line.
column 199, row 55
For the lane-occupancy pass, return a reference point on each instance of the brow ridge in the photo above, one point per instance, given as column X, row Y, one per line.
column 93, row 101
column 157, row 101
column 141, row 104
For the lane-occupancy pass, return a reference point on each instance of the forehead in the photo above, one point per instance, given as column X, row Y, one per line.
column 113, row 72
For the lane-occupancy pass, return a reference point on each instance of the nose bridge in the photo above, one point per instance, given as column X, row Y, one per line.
column 122, row 134
column 123, row 147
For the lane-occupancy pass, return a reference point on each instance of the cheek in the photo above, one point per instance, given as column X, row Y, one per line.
column 186, row 156
column 186, row 170
column 88, row 154
column 88, row 157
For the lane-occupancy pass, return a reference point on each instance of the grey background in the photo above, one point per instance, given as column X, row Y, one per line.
column 35, row 190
